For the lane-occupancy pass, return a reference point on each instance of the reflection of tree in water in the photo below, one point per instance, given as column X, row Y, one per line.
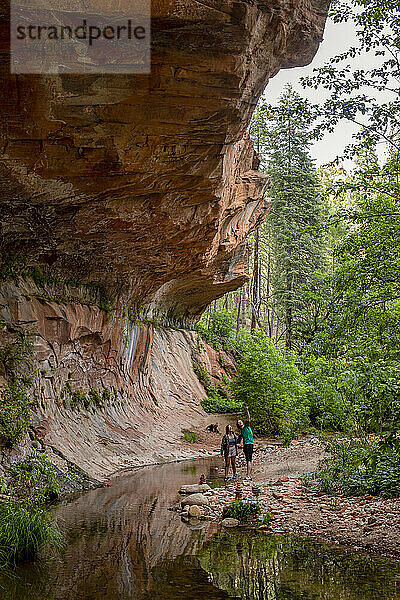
column 255, row 566
column 242, row 564
column 190, row 470
column 184, row 579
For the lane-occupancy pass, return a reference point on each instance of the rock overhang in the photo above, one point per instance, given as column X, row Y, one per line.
column 146, row 185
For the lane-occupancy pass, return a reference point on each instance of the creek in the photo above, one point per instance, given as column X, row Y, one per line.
column 124, row 544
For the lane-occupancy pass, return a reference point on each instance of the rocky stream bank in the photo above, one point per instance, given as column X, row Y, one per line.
column 367, row 523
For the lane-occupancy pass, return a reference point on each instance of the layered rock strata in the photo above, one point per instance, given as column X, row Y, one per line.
column 146, row 184
column 108, row 394
column 136, row 193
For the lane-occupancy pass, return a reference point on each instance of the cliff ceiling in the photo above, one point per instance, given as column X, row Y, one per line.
column 148, row 184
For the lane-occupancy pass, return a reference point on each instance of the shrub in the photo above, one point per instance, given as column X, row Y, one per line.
column 267, row 518
column 241, row 510
column 217, row 401
column 271, row 384
column 14, row 412
column 91, row 399
column 15, row 359
column 217, row 327
column 359, row 467
column 35, row 480
column 24, row 532
column 190, row 436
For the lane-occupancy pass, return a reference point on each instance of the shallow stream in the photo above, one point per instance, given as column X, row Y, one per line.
column 123, row 543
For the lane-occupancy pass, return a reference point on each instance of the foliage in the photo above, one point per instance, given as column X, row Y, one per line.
column 267, row 519
column 326, row 409
column 18, row 350
column 35, row 481
column 242, row 510
column 24, row 532
column 15, row 359
column 356, row 93
column 360, row 467
column 203, row 376
column 292, row 230
column 14, row 413
column 270, row 383
column 25, row 526
column 190, row 436
column 80, row 399
column 217, row 329
column 218, row 399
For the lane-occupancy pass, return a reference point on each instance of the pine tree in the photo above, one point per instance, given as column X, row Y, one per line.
column 283, row 136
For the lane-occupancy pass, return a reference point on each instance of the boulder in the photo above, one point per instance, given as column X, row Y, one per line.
column 198, row 499
column 195, row 511
column 229, row 522
column 194, row 488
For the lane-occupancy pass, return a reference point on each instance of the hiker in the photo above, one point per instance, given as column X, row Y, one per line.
column 229, row 450
column 246, row 434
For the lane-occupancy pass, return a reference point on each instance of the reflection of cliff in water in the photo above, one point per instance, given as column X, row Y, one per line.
column 123, row 543
column 255, row 566
column 117, row 535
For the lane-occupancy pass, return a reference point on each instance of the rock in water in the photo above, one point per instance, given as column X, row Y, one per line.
column 195, row 488
column 229, row 522
column 195, row 511
column 193, row 499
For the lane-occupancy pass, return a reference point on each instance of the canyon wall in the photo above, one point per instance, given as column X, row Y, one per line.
column 107, row 393
column 127, row 199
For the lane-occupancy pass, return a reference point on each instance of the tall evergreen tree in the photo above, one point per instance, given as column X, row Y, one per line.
column 283, row 136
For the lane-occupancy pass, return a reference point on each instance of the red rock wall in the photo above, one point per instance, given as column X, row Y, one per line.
column 141, row 191
column 146, row 183
column 154, row 391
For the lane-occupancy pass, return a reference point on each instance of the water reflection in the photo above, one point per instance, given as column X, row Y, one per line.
column 124, row 543
column 255, row 566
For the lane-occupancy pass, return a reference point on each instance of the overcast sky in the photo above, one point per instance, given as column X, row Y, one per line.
column 337, row 39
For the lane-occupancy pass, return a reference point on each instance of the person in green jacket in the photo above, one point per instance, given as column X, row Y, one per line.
column 246, row 434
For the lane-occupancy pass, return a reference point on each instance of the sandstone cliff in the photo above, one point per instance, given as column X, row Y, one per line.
column 136, row 194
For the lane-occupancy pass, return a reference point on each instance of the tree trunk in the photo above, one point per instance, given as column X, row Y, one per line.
column 255, row 281
column 239, row 309
column 288, row 311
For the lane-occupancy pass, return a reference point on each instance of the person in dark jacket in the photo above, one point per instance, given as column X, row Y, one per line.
column 229, row 450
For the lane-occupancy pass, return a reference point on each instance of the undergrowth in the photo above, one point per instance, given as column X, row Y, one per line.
column 34, row 481
column 15, row 361
column 359, row 467
column 242, row 510
column 190, row 436
column 81, row 399
column 24, row 532
column 25, row 525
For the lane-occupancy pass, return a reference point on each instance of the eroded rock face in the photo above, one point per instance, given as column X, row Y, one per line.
column 136, row 193
column 108, row 394
column 147, row 184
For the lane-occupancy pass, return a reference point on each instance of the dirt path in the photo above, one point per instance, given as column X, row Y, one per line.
column 367, row 522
